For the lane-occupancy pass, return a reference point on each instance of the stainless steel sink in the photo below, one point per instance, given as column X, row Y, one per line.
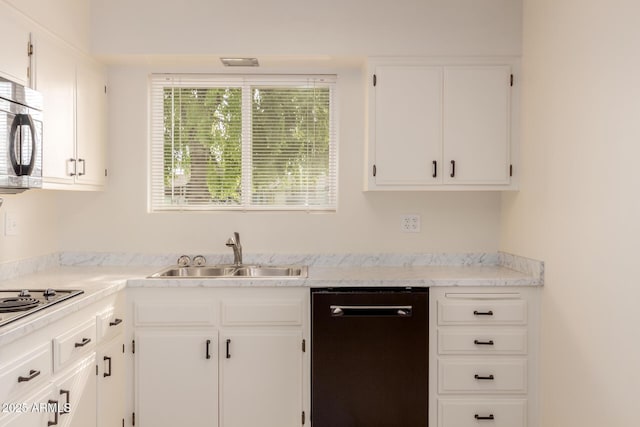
column 233, row 271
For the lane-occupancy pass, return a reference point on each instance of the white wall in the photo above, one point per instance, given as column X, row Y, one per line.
column 36, row 211
column 116, row 220
column 68, row 19
column 307, row 27
column 579, row 204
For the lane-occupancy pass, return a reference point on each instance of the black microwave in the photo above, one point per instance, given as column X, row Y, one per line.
column 20, row 138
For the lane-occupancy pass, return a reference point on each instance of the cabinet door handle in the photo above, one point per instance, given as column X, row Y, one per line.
column 484, row 378
column 482, row 313
column 75, row 167
column 208, row 352
column 228, row 349
column 84, row 342
column 115, row 322
column 55, row 414
column 480, row 417
column 435, row 169
column 478, row 342
column 453, row 168
column 108, row 360
column 32, row 374
column 67, row 406
column 84, row 167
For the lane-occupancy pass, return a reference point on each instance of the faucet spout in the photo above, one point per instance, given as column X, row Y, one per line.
column 234, row 243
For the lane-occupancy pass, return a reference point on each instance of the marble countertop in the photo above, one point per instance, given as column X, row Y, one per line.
column 100, row 279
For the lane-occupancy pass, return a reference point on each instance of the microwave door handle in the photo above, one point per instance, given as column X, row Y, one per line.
column 18, row 167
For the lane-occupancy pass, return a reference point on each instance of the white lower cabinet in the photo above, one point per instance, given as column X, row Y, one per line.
column 75, row 393
column 483, row 359
column 54, row 378
column 261, row 378
column 473, row 413
column 219, row 357
column 111, row 383
column 176, row 377
column 37, row 410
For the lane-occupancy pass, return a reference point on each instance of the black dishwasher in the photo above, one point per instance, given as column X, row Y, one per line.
column 369, row 357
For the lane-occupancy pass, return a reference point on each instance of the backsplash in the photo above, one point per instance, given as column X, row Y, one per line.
column 528, row 266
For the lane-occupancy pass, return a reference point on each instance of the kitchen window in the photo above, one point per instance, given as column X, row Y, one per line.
column 254, row 142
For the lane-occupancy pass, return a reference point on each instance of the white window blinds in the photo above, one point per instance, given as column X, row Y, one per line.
column 252, row 142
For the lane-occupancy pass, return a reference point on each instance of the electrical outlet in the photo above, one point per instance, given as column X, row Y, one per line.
column 410, row 223
column 11, row 224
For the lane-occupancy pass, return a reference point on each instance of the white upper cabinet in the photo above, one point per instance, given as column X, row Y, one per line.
column 408, row 124
column 14, row 45
column 438, row 124
column 476, row 124
column 75, row 113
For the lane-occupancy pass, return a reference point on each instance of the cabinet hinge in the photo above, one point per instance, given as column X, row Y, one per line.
column 511, row 80
column 510, row 170
column 133, row 346
column 29, row 49
column 304, row 345
column 375, row 80
column 303, row 417
column 374, row 170
column 133, row 419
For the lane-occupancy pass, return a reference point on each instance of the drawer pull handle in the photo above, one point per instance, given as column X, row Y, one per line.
column 65, row 408
column 478, row 342
column 32, row 374
column 115, row 322
column 482, row 313
column 55, row 414
column 84, row 342
column 108, row 360
column 479, row 417
column 481, row 377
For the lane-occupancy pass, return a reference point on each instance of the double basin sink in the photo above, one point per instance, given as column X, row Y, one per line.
column 233, row 271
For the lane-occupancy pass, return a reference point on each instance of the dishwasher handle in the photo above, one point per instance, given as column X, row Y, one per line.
column 371, row 310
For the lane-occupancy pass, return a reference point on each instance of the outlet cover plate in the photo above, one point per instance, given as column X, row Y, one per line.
column 410, row 223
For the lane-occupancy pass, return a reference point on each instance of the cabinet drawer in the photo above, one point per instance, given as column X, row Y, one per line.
column 482, row 341
column 72, row 344
column 23, row 374
column 494, row 413
column 261, row 312
column 187, row 313
column 482, row 312
column 109, row 324
column 468, row 376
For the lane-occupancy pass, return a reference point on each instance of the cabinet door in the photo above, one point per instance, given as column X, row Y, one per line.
column 55, row 77
column 175, row 383
column 91, row 119
column 14, row 44
column 261, row 377
column 111, row 384
column 477, row 124
column 77, row 390
column 408, row 125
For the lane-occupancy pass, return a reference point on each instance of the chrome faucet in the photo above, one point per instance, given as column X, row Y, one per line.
column 234, row 243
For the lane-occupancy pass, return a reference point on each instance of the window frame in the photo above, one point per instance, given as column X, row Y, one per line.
column 245, row 82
